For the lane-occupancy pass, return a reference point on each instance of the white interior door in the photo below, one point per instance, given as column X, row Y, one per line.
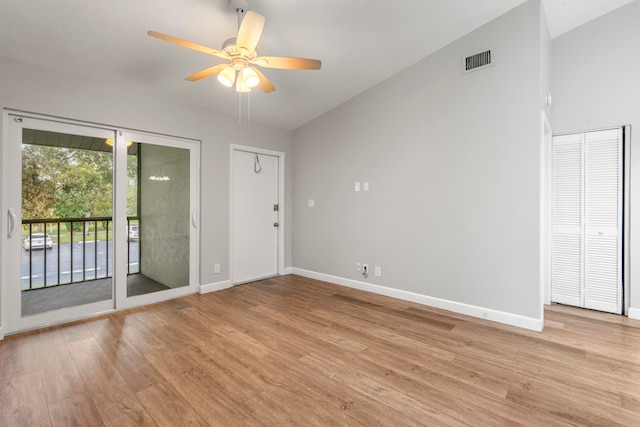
column 603, row 220
column 255, row 215
column 587, row 215
column 567, row 229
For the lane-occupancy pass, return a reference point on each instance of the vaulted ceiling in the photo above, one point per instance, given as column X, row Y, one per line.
column 360, row 43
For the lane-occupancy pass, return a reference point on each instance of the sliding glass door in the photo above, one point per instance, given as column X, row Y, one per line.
column 161, row 238
column 97, row 219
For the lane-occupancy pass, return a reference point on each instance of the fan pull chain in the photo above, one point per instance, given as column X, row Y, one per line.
column 239, row 109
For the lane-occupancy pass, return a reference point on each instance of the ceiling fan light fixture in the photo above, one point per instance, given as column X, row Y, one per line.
column 109, row 142
column 241, row 87
column 227, row 76
column 250, row 77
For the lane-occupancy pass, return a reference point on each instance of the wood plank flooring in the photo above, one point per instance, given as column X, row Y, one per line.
column 292, row 351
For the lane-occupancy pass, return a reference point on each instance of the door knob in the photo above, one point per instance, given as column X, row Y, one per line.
column 275, row 224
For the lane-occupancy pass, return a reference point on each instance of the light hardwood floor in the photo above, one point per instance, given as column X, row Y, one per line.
column 294, row 351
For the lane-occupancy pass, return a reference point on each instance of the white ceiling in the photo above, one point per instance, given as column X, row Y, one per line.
column 360, row 43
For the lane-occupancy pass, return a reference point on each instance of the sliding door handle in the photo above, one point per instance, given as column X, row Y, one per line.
column 12, row 223
column 194, row 219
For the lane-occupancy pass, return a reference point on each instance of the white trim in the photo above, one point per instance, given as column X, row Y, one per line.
column 454, row 306
column 281, row 201
column 214, row 287
column 4, row 206
column 545, row 212
column 286, row 271
column 626, row 225
column 634, row 313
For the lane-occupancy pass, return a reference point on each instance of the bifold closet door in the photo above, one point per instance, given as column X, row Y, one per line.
column 567, row 239
column 586, row 268
column 603, row 220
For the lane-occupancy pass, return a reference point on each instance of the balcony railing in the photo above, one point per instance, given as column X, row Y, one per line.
column 79, row 250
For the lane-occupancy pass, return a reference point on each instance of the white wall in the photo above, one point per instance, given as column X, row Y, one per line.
column 595, row 85
column 31, row 89
column 453, row 162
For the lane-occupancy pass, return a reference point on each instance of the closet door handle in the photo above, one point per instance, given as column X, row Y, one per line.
column 194, row 219
column 12, row 223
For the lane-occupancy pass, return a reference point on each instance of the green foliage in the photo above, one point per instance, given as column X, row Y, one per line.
column 70, row 183
column 38, row 187
column 132, row 185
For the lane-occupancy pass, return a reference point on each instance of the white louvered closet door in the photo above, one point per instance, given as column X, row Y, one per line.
column 567, row 239
column 603, row 220
column 586, row 268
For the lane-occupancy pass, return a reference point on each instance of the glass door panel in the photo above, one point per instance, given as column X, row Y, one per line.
column 161, row 220
column 61, row 199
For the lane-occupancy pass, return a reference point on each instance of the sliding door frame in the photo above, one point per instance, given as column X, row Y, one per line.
column 11, row 319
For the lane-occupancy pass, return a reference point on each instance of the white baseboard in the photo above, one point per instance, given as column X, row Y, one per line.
column 634, row 313
column 286, row 271
column 454, row 306
column 1, row 333
column 212, row 287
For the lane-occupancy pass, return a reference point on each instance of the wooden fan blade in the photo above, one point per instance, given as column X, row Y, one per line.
column 265, row 85
column 188, row 44
column 287, row 63
column 250, row 31
column 207, row 72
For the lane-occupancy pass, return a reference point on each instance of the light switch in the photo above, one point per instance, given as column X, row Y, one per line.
column 366, row 186
column 311, row 203
column 357, row 186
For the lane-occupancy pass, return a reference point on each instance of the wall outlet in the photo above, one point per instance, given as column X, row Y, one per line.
column 216, row 268
column 358, row 267
column 377, row 271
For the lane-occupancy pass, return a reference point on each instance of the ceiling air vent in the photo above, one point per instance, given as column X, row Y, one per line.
column 476, row 61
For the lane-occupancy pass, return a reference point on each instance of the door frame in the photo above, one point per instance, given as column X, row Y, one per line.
column 281, row 202
column 545, row 214
column 626, row 211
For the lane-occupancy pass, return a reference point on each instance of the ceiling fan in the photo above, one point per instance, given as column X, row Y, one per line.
column 240, row 54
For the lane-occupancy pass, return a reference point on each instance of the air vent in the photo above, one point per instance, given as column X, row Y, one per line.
column 476, row 61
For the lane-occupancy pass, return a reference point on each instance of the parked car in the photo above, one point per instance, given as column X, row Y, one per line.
column 38, row 241
column 133, row 232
